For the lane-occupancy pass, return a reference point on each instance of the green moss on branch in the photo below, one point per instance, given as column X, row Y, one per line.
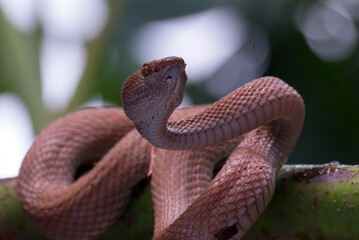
column 310, row 202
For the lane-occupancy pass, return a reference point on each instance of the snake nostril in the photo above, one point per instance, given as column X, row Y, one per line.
column 226, row 233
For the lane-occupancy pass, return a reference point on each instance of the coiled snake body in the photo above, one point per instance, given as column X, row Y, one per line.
column 257, row 125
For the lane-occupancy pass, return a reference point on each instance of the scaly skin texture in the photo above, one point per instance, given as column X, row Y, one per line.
column 256, row 125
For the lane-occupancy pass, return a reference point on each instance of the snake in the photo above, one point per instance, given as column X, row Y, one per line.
column 212, row 167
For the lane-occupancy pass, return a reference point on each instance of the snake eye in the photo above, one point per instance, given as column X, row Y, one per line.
column 145, row 70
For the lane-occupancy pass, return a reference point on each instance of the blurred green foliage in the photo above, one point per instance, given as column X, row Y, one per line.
column 330, row 89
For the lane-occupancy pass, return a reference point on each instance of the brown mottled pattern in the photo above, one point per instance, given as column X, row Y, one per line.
column 256, row 125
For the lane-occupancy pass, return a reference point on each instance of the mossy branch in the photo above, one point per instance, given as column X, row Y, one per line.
column 310, row 202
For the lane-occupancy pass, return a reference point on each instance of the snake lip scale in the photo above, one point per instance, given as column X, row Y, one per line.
column 255, row 127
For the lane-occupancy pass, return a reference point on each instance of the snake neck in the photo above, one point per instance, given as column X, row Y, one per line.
column 256, row 103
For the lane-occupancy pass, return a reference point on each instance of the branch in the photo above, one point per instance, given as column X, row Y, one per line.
column 310, row 202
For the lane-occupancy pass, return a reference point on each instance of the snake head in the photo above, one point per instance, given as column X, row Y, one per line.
column 155, row 90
